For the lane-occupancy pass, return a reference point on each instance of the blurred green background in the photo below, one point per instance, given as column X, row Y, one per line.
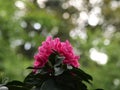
column 92, row 27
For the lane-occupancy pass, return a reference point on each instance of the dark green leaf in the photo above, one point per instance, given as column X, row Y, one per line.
column 16, row 85
column 48, row 85
column 69, row 81
column 33, row 68
column 58, row 60
column 52, row 58
column 15, row 82
column 17, row 88
column 31, row 79
column 58, row 71
column 81, row 74
column 35, row 79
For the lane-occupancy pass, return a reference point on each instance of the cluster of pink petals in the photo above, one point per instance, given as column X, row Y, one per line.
column 63, row 48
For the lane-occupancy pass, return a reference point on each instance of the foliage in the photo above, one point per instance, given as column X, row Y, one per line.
column 54, row 75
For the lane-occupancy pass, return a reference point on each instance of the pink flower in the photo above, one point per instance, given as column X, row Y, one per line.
column 63, row 48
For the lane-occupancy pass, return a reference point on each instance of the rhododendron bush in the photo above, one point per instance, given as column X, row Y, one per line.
column 56, row 67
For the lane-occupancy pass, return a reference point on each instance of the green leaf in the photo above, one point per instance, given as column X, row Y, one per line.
column 33, row 68
column 58, row 71
column 35, row 79
column 16, row 88
column 51, row 84
column 58, row 60
column 31, row 79
column 16, row 85
column 15, row 82
column 82, row 75
column 55, row 61
column 70, row 81
column 52, row 58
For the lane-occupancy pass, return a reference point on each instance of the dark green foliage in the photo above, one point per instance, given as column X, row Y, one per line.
column 81, row 74
column 16, row 85
column 47, row 78
column 68, row 80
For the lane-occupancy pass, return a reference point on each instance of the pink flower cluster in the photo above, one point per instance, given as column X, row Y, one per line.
column 63, row 48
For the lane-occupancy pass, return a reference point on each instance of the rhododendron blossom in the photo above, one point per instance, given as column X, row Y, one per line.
column 63, row 48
